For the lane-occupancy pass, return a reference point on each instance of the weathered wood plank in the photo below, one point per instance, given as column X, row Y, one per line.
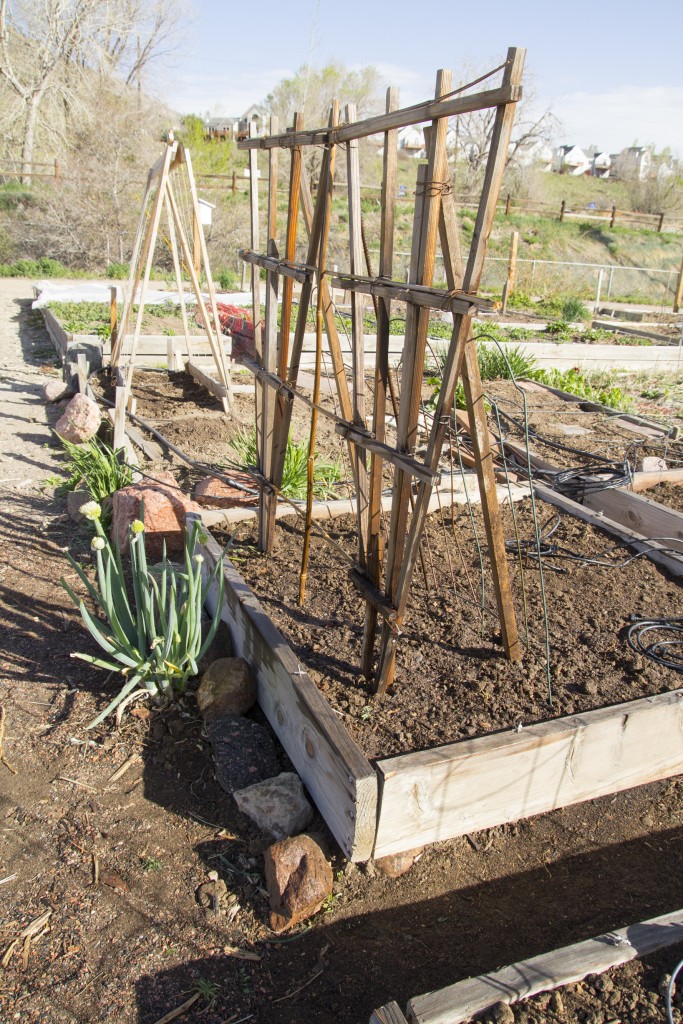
column 205, row 380
column 642, row 515
column 480, row 783
column 467, row 999
column 283, row 267
column 338, row 776
column 390, row 1013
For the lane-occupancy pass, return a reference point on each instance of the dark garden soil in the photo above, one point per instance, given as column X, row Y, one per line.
column 115, row 861
column 667, row 494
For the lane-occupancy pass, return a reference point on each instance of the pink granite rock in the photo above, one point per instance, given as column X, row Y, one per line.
column 81, row 420
column 55, row 390
column 165, row 508
column 397, row 864
column 214, row 493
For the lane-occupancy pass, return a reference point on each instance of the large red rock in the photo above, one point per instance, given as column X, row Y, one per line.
column 165, row 508
column 214, row 493
column 298, row 879
column 396, row 864
column 81, row 420
column 56, row 390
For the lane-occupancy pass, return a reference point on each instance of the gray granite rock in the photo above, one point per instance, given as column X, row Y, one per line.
column 243, row 752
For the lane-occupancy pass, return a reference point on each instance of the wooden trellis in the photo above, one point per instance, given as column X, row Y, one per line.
column 382, row 578
column 188, row 248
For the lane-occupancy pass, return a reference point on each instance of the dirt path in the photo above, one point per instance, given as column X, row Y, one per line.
column 115, row 863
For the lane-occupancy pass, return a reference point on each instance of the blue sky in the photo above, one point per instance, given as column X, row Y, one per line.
column 612, row 73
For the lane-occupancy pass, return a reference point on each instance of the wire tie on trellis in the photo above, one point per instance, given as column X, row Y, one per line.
column 435, row 188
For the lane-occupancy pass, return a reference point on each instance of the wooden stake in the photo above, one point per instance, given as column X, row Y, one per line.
column 219, row 354
column 386, row 267
column 678, row 298
column 462, row 351
column 255, row 280
column 512, row 269
column 179, row 284
column 113, row 316
column 430, row 186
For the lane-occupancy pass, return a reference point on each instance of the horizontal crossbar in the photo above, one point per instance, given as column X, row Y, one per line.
column 298, row 271
column 428, row 111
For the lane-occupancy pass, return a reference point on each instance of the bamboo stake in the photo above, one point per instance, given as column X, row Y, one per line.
column 255, row 280
column 357, row 335
column 269, row 356
column 139, row 247
column 383, row 315
column 314, row 226
column 324, row 203
column 286, row 320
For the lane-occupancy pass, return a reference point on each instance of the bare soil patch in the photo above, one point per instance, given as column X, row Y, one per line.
column 137, row 944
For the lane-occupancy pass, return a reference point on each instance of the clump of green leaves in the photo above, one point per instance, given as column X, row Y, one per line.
column 118, row 271
column 154, row 637
column 44, row 267
column 574, row 309
column 97, row 467
column 295, row 473
column 593, row 390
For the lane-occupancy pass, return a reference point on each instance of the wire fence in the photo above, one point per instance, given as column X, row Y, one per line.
column 591, row 281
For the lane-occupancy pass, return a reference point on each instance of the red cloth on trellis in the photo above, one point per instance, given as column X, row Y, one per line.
column 236, row 322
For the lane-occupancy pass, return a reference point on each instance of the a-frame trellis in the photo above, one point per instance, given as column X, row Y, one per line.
column 383, row 580
column 186, row 241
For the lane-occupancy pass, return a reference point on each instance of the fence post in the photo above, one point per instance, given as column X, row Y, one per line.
column 613, row 216
column 234, row 182
column 661, row 222
column 562, row 206
column 597, row 294
column 507, row 205
column 57, row 169
column 609, row 283
column 678, row 298
column 512, row 269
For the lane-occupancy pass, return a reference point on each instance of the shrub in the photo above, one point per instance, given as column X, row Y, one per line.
column 574, row 309
column 97, row 466
column 228, row 280
column 118, row 271
column 295, row 474
column 155, row 639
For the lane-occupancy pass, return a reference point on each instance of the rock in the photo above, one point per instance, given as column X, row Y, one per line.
column 243, row 752
column 215, row 493
column 210, row 894
column 557, row 1003
column 278, row 805
column 298, row 879
column 81, row 420
column 74, row 500
column 228, row 687
column 220, row 646
column 589, row 686
column 55, row 390
column 165, row 508
column 397, row 864
column 653, row 464
column 502, row 1014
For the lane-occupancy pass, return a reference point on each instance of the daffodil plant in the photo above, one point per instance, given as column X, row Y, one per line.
column 155, row 640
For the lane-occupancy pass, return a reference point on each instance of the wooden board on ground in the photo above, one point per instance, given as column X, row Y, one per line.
column 474, row 784
column 388, row 1014
column 337, row 774
column 640, row 514
column 469, row 998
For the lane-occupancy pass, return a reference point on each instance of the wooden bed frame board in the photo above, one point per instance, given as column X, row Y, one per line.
column 474, row 784
column 467, row 999
column 339, row 777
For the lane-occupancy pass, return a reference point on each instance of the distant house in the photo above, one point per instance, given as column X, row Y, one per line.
column 571, row 160
column 411, row 141
column 537, row 154
column 633, row 162
column 235, row 127
column 601, row 164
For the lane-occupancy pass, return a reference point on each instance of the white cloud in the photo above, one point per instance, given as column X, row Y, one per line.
column 616, row 118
